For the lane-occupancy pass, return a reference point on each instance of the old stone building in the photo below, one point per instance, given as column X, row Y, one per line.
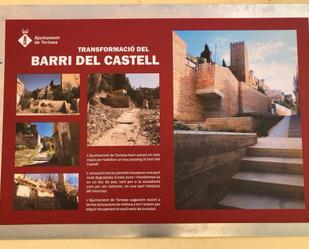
column 66, row 142
column 239, row 61
column 209, row 90
column 27, row 135
column 69, row 81
column 20, row 90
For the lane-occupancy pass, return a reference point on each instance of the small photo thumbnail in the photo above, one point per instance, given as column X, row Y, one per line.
column 46, row 191
column 44, row 94
column 47, row 144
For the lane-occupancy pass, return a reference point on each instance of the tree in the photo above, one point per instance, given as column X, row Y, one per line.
column 200, row 60
column 223, row 63
column 261, row 89
column 120, row 81
column 206, row 53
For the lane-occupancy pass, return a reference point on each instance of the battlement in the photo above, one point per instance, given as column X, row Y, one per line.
column 239, row 43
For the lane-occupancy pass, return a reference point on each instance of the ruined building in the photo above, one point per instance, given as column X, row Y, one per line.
column 209, row 90
column 51, row 98
column 27, row 135
column 70, row 81
column 148, row 98
column 20, row 90
column 66, row 143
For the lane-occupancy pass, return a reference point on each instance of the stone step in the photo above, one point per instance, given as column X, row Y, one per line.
column 274, row 152
column 272, row 164
column 297, row 132
column 277, row 184
column 294, row 129
column 294, row 135
column 242, row 200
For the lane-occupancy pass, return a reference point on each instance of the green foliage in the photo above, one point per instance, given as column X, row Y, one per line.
column 261, row 89
column 289, row 105
column 224, row 63
column 200, row 60
column 136, row 97
column 21, row 147
column 263, row 128
column 120, row 81
column 180, row 126
column 206, row 53
column 58, row 93
column 200, row 128
column 24, row 101
column 50, row 153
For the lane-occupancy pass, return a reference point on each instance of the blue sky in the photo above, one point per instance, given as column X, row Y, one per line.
column 70, row 178
column 34, row 81
column 45, row 129
column 272, row 54
column 150, row 80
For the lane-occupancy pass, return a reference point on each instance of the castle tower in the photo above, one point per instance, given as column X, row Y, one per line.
column 239, row 61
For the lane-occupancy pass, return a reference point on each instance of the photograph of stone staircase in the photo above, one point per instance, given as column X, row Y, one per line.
column 271, row 175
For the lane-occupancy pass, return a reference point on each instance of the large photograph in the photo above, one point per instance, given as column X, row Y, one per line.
column 237, row 121
column 123, row 109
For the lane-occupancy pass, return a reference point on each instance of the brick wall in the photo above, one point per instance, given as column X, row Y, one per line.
column 187, row 105
column 252, row 100
column 204, row 168
column 227, row 83
column 205, row 76
column 239, row 61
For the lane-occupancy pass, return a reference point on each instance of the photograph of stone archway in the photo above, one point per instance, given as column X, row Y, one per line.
column 237, row 122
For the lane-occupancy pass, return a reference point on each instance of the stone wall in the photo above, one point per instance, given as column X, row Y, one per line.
column 30, row 141
column 204, row 165
column 49, row 106
column 68, row 81
column 205, row 76
column 282, row 110
column 253, row 100
column 234, row 124
column 27, row 135
column 187, row 105
column 239, row 61
column 19, row 90
column 227, row 83
column 66, row 142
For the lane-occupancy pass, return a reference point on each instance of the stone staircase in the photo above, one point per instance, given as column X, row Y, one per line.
column 270, row 177
column 294, row 127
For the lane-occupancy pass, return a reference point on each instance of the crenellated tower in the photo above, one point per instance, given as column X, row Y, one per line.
column 239, row 61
